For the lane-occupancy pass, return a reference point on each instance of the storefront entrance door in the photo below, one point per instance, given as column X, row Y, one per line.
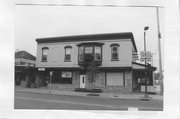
column 82, row 81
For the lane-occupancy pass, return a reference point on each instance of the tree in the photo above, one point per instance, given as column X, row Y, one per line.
column 92, row 70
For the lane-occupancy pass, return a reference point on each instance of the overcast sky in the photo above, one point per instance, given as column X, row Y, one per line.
column 39, row 21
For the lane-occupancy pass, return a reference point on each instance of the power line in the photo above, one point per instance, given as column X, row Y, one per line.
column 86, row 5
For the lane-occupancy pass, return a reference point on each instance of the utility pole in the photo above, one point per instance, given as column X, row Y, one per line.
column 146, row 94
column 159, row 49
column 51, row 73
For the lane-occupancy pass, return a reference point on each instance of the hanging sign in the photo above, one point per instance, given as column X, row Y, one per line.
column 66, row 74
column 41, row 69
column 143, row 59
column 50, row 73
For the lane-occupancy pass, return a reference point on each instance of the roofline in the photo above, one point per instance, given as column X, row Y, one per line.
column 90, row 37
column 138, row 63
column 17, row 57
column 143, row 65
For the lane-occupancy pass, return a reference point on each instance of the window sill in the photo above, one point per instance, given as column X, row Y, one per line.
column 43, row 61
column 98, row 60
column 67, row 60
column 114, row 59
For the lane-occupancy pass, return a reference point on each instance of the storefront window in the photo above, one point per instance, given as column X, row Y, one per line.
column 66, row 77
column 66, row 74
column 142, row 81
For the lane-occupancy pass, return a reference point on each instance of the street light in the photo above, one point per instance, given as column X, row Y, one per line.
column 145, row 29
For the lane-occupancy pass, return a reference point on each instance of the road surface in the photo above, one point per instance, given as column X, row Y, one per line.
column 49, row 101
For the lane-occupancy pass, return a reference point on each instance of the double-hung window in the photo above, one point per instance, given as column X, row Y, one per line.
column 88, row 50
column 44, row 54
column 81, row 53
column 88, row 53
column 115, row 52
column 97, row 53
column 68, row 50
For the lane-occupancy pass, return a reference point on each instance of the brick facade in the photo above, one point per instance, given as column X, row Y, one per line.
column 100, row 81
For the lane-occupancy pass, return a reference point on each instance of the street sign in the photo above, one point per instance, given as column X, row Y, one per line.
column 146, row 54
column 148, row 59
column 143, row 59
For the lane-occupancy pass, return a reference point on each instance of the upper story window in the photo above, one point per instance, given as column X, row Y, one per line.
column 97, row 53
column 90, row 51
column 68, row 50
column 81, row 52
column 114, row 52
column 44, row 54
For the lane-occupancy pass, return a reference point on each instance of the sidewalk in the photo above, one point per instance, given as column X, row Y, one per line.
column 72, row 93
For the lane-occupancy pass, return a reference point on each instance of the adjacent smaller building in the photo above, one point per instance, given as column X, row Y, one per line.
column 24, row 68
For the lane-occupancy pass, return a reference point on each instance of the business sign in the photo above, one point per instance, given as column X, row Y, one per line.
column 66, row 74
column 143, row 59
column 41, row 69
column 50, row 73
column 135, row 56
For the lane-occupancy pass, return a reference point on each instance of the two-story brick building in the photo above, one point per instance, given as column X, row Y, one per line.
column 66, row 59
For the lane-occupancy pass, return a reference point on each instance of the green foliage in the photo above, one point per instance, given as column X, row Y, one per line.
column 91, row 71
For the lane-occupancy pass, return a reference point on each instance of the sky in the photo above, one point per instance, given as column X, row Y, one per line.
column 39, row 21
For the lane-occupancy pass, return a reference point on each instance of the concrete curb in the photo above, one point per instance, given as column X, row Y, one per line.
column 101, row 95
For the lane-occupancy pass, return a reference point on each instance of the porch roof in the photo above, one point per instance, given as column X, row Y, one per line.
column 139, row 66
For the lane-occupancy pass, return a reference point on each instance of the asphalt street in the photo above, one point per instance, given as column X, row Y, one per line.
column 48, row 101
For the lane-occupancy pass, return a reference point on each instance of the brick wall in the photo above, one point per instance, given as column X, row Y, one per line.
column 121, row 89
column 99, row 81
column 88, row 84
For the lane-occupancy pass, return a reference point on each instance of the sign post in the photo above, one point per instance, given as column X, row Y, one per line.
column 50, row 73
column 145, row 56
